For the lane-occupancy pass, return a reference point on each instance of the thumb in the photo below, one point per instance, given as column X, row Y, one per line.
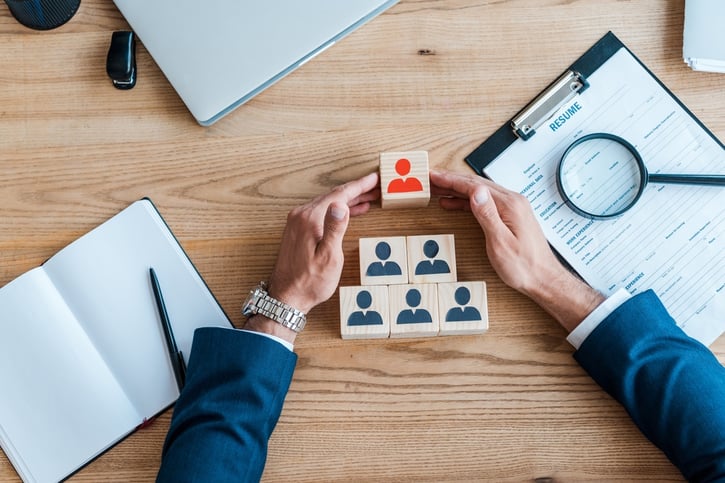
column 485, row 211
column 336, row 220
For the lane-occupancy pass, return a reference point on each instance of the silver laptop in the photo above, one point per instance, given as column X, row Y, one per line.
column 218, row 54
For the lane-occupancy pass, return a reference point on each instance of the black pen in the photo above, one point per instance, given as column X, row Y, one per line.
column 177, row 359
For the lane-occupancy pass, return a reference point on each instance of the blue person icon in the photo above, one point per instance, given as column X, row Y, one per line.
column 364, row 317
column 413, row 315
column 382, row 268
column 462, row 313
column 431, row 266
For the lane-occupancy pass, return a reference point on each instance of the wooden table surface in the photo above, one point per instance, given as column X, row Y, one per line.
column 509, row 405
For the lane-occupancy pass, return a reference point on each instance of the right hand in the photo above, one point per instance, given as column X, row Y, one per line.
column 516, row 245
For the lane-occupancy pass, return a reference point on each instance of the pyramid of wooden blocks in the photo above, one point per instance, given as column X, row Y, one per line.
column 431, row 259
column 404, row 179
column 462, row 308
column 383, row 261
column 413, row 310
column 409, row 288
column 364, row 312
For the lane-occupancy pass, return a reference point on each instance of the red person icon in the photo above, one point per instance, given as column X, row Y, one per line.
column 402, row 185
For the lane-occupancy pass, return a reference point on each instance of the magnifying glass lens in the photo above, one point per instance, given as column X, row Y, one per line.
column 601, row 177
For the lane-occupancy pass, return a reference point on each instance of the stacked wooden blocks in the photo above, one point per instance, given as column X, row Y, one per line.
column 409, row 288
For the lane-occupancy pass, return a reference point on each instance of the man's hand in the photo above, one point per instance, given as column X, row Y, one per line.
column 516, row 246
column 310, row 257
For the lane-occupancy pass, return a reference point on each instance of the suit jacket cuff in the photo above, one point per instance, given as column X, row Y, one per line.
column 288, row 345
column 587, row 326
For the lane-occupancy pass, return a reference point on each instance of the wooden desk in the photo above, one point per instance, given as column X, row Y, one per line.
column 511, row 405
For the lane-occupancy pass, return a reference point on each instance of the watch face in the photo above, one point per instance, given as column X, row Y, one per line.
column 249, row 306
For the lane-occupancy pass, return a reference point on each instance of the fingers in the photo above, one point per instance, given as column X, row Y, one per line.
column 447, row 183
column 360, row 191
column 484, row 209
column 334, row 227
column 365, row 198
column 455, row 191
column 356, row 189
column 452, row 183
column 359, row 209
column 455, row 204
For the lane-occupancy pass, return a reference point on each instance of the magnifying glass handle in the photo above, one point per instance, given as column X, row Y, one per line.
column 709, row 179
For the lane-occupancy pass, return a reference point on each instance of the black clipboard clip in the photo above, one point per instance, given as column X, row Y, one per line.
column 538, row 111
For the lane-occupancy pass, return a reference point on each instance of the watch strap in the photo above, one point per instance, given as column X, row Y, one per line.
column 260, row 302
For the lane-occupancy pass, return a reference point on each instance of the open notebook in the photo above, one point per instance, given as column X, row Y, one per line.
column 83, row 361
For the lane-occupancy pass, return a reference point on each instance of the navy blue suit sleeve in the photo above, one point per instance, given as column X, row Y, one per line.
column 235, row 387
column 672, row 386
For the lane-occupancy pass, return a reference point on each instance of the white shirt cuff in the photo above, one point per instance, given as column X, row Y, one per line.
column 587, row 326
column 285, row 343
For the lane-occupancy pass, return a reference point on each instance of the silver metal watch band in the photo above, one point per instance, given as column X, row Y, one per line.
column 280, row 312
column 260, row 302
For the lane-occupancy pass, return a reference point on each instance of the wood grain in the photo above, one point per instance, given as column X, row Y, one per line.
column 436, row 75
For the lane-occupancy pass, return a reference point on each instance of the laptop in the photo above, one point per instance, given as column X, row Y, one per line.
column 218, row 54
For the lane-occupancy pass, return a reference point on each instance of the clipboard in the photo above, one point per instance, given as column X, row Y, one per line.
column 673, row 240
column 572, row 82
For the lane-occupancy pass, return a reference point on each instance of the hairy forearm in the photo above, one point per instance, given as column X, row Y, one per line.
column 566, row 298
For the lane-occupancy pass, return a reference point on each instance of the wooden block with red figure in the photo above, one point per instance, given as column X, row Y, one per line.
column 404, row 179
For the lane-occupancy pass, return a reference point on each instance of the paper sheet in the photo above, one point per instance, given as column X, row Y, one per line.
column 673, row 240
column 59, row 407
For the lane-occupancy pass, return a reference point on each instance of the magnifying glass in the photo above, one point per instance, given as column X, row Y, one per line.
column 601, row 176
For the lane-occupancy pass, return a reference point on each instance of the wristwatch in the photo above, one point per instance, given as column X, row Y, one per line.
column 259, row 302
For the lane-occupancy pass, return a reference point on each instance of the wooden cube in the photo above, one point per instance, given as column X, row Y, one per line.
column 383, row 261
column 463, row 308
column 404, row 181
column 413, row 310
column 431, row 259
column 364, row 312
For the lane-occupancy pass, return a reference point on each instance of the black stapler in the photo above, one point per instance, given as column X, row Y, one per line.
column 121, row 60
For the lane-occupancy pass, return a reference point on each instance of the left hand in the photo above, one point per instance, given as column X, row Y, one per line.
column 310, row 257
